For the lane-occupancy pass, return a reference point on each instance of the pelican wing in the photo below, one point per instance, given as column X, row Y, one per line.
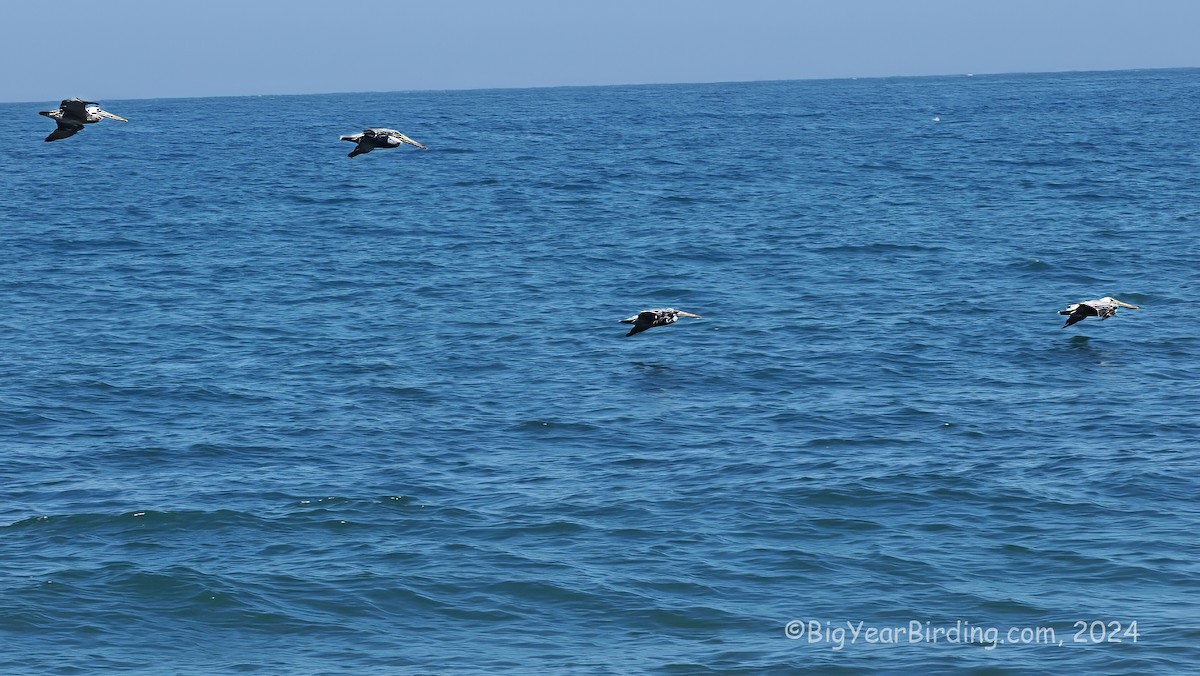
column 638, row 328
column 65, row 128
column 1078, row 313
column 364, row 146
column 75, row 108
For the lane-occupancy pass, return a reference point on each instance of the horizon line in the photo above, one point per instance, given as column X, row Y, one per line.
column 637, row 84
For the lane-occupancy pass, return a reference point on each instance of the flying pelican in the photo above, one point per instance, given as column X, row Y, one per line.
column 72, row 114
column 370, row 139
column 1102, row 307
column 648, row 319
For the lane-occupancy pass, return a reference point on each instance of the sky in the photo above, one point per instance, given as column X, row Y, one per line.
column 126, row 49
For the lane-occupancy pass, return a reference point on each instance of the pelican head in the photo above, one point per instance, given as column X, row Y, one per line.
column 1114, row 301
column 409, row 141
column 95, row 111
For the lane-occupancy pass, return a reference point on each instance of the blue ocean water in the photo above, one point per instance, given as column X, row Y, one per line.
column 267, row 409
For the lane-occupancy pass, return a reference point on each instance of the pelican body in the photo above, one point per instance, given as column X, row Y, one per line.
column 648, row 319
column 1101, row 307
column 378, row 137
column 72, row 114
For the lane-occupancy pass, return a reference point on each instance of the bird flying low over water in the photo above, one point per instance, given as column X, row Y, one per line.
column 1102, row 307
column 648, row 319
column 370, row 139
column 72, row 114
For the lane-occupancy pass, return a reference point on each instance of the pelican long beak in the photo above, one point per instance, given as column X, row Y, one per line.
column 688, row 314
column 1128, row 305
column 105, row 113
column 411, row 142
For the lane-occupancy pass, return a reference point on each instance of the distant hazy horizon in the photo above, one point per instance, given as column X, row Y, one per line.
column 131, row 49
column 621, row 84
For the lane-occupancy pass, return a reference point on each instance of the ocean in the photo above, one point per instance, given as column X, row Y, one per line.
column 268, row 409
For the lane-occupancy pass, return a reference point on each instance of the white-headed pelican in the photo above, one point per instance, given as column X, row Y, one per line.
column 72, row 114
column 1101, row 307
column 648, row 319
column 370, row 139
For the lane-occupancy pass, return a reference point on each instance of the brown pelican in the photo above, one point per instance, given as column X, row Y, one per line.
column 72, row 114
column 648, row 319
column 1101, row 307
column 370, row 139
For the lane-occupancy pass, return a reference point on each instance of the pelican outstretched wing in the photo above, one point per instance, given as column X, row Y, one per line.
column 65, row 128
column 1077, row 313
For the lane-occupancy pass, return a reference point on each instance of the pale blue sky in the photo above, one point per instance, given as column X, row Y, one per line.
column 117, row 49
